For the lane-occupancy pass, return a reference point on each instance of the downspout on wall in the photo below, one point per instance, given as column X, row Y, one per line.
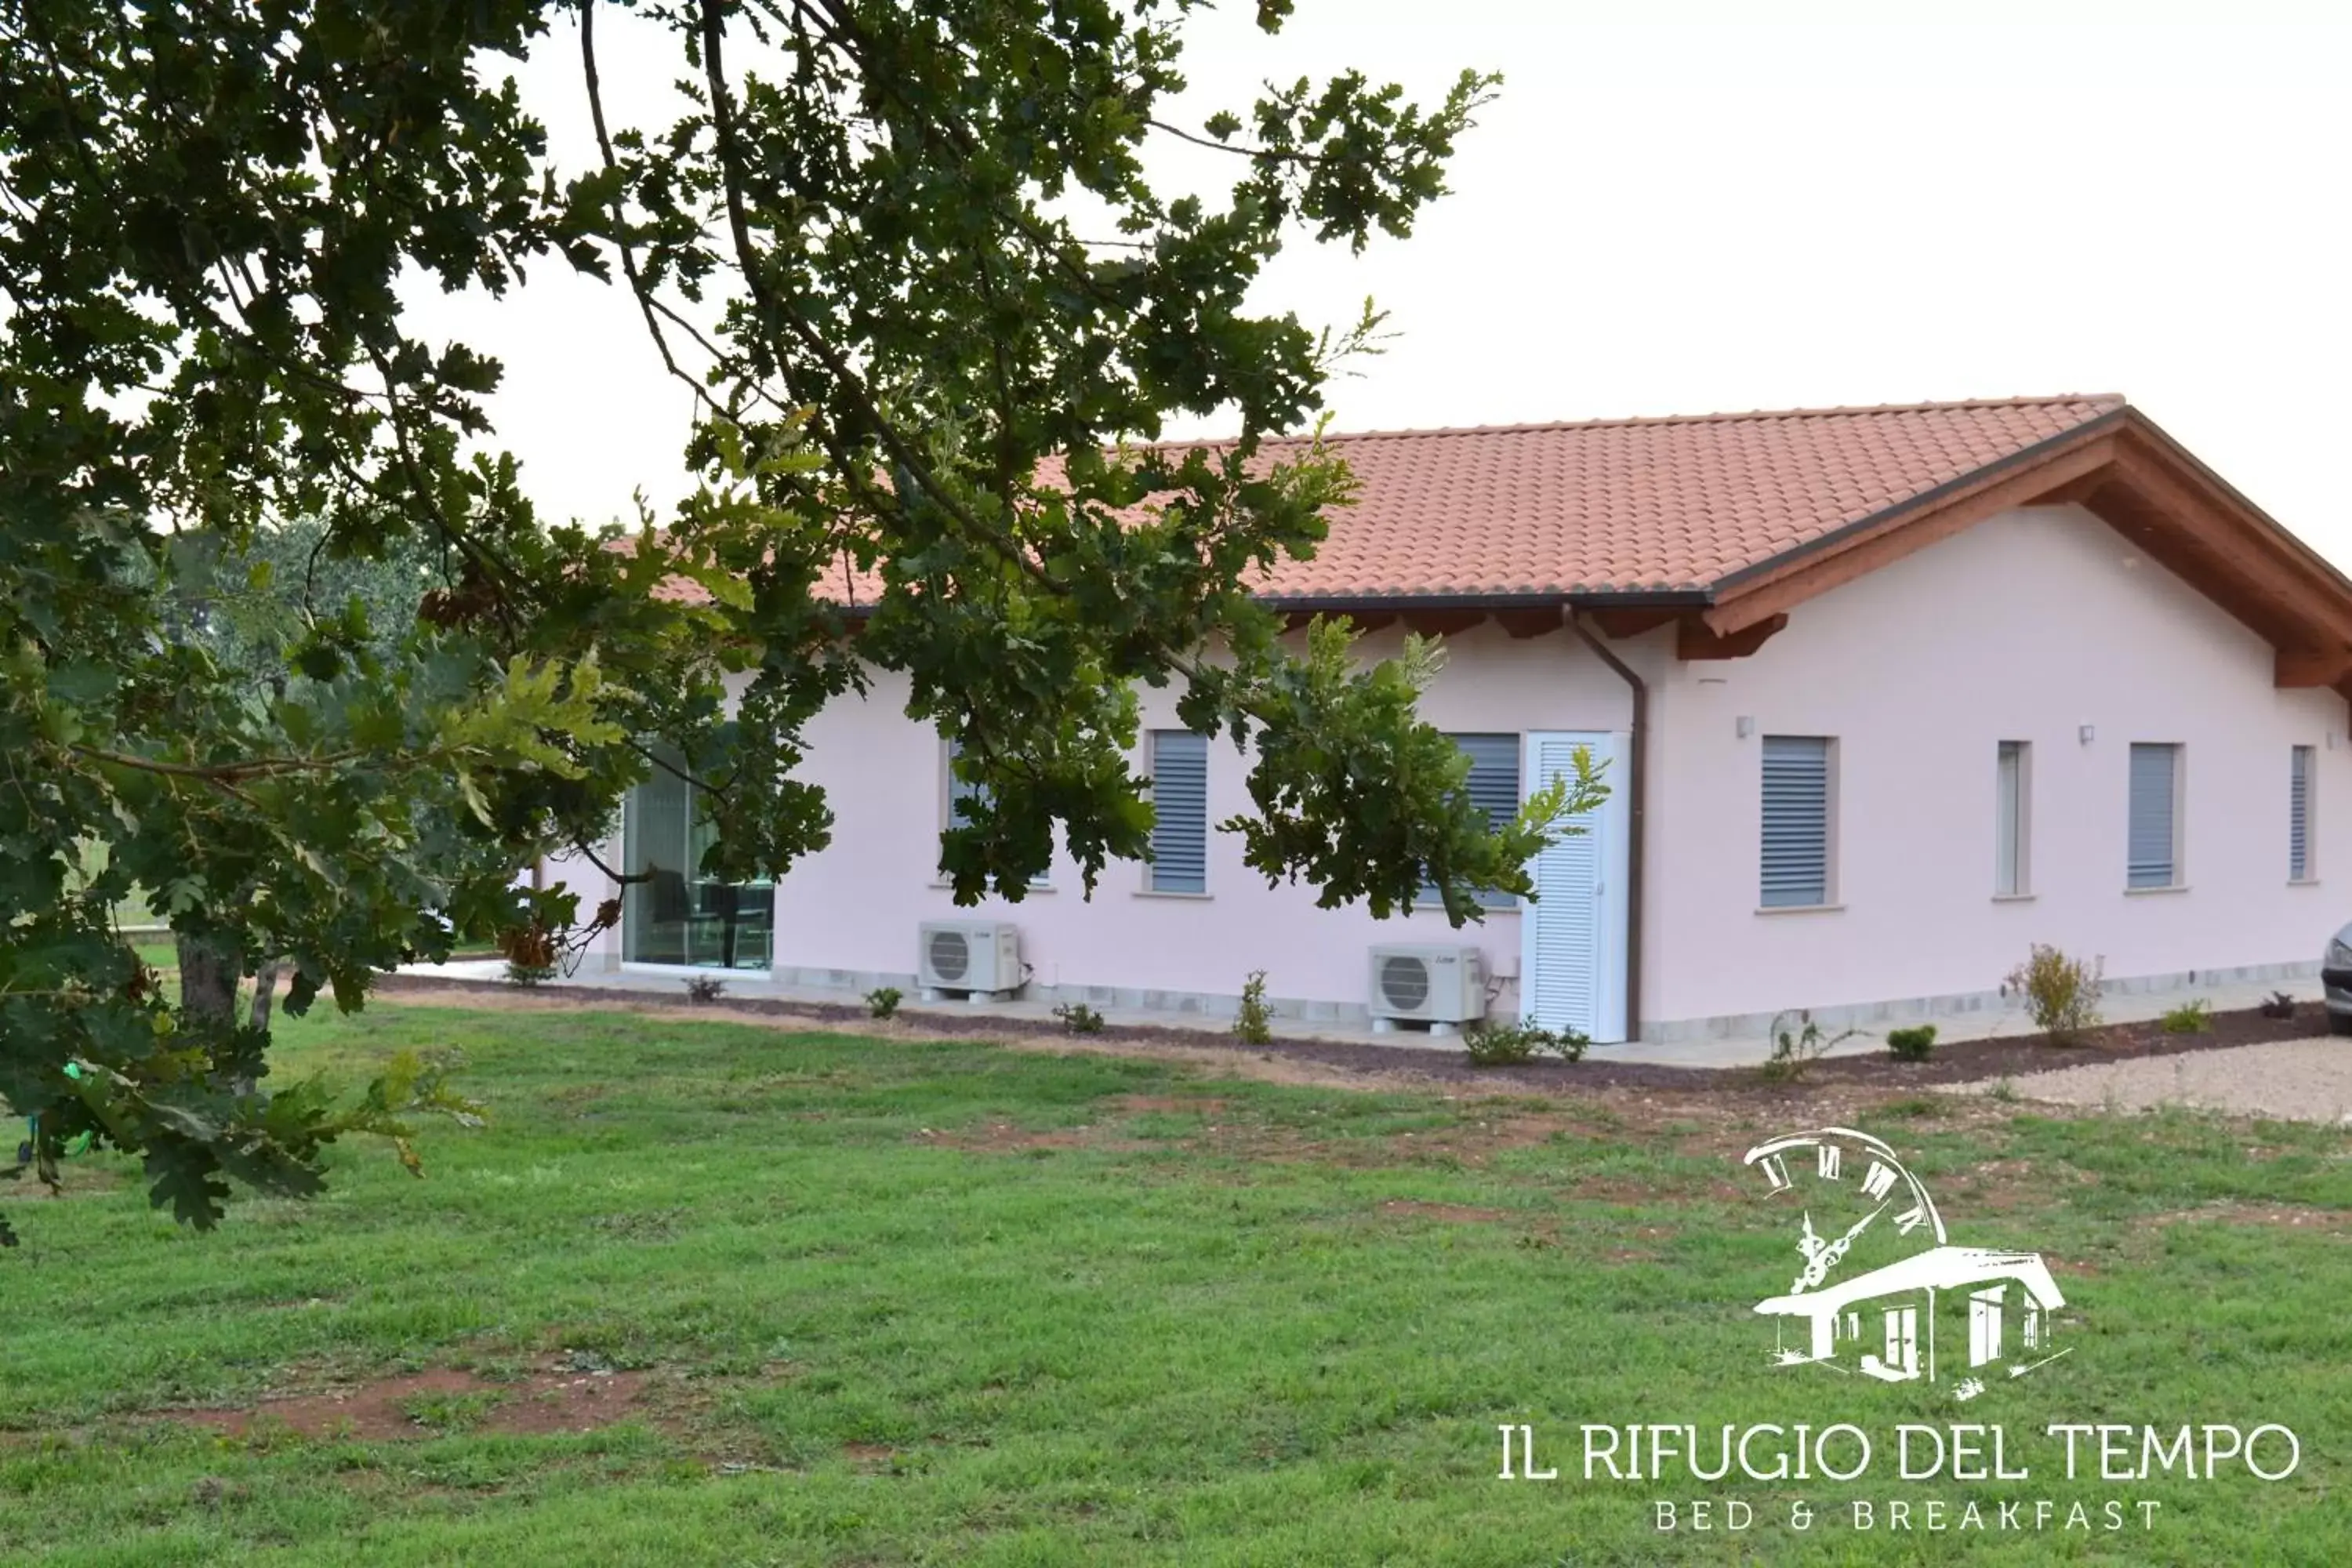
column 1637, row 785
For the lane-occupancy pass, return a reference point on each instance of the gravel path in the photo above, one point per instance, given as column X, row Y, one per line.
column 2290, row 1081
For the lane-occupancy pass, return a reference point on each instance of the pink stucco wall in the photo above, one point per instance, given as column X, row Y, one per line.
column 2025, row 627
column 855, row 906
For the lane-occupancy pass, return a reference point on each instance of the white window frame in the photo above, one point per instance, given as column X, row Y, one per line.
column 2012, row 820
column 2180, row 866
column 1151, row 887
column 1427, row 899
column 948, row 783
column 1830, row 815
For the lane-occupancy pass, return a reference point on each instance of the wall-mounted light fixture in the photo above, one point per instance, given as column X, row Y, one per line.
column 1745, row 725
column 2088, row 732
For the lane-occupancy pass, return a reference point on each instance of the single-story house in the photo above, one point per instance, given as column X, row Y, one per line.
column 1892, row 1311
column 1886, row 695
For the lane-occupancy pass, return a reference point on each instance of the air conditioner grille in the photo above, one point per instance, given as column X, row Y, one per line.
column 950, row 955
column 1404, row 983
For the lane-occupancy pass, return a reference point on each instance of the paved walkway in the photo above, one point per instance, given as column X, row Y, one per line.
column 1735, row 1051
column 2287, row 1080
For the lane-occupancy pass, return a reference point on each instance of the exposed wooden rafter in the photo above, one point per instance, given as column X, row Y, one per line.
column 1443, row 623
column 1693, row 640
column 2304, row 667
column 1631, row 623
column 1521, row 624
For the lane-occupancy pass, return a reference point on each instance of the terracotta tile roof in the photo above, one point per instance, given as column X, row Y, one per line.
column 1642, row 505
column 1632, row 506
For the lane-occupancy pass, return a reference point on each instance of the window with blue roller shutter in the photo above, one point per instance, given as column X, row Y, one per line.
column 2153, row 831
column 1494, row 784
column 2298, row 814
column 1796, row 851
column 960, row 790
column 1179, row 804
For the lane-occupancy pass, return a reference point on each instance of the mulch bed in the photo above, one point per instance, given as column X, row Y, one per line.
column 1968, row 1061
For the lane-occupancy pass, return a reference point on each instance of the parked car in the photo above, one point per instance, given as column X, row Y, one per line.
column 2336, row 974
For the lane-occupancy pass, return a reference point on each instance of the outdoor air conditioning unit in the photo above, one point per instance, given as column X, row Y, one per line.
column 1439, row 986
column 982, row 957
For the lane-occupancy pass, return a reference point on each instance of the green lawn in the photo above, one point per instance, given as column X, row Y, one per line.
column 882, row 1302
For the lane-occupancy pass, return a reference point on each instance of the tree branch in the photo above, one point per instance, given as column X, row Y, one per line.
column 219, row 773
column 1272, row 154
column 623, row 879
column 731, row 164
column 645, row 304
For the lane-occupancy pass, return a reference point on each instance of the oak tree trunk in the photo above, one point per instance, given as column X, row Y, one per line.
column 210, row 967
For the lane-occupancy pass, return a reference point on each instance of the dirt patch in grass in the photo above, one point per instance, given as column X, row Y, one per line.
column 1006, row 1138
column 1165, row 1105
column 439, row 1403
column 2006, row 1186
column 1452, row 1214
column 2282, row 1217
column 1475, row 1139
column 77, row 1177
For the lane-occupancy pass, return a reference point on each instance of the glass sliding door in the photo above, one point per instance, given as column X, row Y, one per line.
column 676, row 915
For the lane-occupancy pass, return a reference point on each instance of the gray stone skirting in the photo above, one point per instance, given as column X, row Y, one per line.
column 1871, row 1015
column 1222, row 1007
column 1191, row 1004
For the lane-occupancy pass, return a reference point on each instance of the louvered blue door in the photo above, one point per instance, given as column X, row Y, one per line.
column 1572, row 938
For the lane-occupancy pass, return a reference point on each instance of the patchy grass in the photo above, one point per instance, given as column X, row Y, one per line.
column 708, row 1293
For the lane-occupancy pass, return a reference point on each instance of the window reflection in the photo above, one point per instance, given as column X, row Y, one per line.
column 676, row 915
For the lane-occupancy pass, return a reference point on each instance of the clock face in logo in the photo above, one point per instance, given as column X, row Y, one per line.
column 1851, row 1204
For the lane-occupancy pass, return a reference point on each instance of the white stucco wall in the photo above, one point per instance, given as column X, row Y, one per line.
column 854, row 907
column 2025, row 627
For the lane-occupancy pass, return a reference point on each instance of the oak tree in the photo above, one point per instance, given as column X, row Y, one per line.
column 935, row 313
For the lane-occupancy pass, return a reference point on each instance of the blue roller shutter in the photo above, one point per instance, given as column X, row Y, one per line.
column 1796, row 821
column 2154, row 828
column 1494, row 785
column 1180, row 804
column 2298, row 814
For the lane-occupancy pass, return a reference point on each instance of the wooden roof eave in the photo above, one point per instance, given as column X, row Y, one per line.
column 2138, row 480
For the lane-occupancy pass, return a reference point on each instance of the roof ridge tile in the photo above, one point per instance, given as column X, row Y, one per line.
column 2096, row 402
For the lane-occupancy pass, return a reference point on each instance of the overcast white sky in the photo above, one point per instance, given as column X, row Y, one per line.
column 1711, row 210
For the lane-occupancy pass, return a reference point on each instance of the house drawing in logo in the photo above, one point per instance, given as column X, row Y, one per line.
column 1884, row 1323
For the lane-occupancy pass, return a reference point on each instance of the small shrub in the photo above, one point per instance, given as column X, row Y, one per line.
column 1914, row 1044
column 2280, row 1005
column 530, row 954
column 1509, row 1042
column 1798, row 1042
column 1077, row 1018
column 2191, row 1017
column 704, row 988
column 883, row 1001
column 1253, row 1025
column 2061, row 993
